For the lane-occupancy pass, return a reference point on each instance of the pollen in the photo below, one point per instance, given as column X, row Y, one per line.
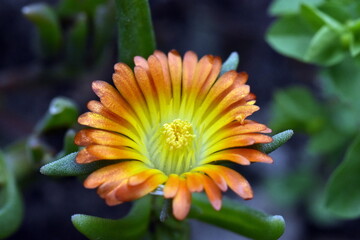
column 178, row 134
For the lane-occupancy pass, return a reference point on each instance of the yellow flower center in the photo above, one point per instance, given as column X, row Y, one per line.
column 172, row 147
column 178, row 134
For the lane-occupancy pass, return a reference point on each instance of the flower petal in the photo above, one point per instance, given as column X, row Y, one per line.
column 236, row 182
column 88, row 137
column 99, row 152
column 182, row 201
column 171, row 186
column 126, row 192
column 237, row 141
column 193, row 182
column 143, row 176
column 214, row 175
column 175, row 69
column 114, row 173
column 98, row 121
column 212, row 191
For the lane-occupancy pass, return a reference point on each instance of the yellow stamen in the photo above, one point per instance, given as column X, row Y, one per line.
column 178, row 134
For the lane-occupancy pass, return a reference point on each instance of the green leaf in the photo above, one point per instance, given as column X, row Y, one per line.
column 318, row 18
column 325, row 48
column 69, row 145
column 231, row 63
column 77, row 41
column 342, row 192
column 11, row 206
column 285, row 7
column 278, row 140
column 48, row 26
column 238, row 218
column 342, row 82
column 133, row 226
column 67, row 166
column 297, row 108
column 290, row 36
column 69, row 8
column 136, row 35
column 20, row 158
column 62, row 113
column 354, row 45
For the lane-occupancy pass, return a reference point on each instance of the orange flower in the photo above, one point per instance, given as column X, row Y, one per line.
column 170, row 120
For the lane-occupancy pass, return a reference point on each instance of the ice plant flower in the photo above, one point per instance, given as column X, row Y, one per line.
column 170, row 122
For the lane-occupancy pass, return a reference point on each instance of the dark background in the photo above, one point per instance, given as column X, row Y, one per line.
column 206, row 27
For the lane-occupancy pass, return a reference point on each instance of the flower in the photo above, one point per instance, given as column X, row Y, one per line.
column 170, row 122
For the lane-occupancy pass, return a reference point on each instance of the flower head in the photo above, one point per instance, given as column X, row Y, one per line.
column 169, row 121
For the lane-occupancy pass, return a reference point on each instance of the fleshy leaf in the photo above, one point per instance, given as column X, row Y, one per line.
column 133, row 226
column 286, row 7
column 48, row 26
column 136, row 35
column 69, row 8
column 67, row 166
column 318, row 18
column 290, row 36
column 278, row 140
column 238, row 218
column 11, row 206
column 298, row 109
column 343, row 192
column 231, row 63
column 342, row 82
column 62, row 113
column 325, row 48
column 69, row 145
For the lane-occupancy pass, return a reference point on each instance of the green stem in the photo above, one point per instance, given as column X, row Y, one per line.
column 238, row 218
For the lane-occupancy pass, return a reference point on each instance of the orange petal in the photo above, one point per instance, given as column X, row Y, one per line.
column 236, row 182
column 148, row 88
column 165, row 70
column 141, row 62
column 98, row 121
column 214, row 175
column 182, row 201
column 253, row 155
column 125, row 192
column 237, row 141
column 213, row 192
column 193, row 182
column 238, row 112
column 114, row 173
column 236, row 128
column 241, row 156
column 87, row 137
column 219, row 88
column 142, row 176
column 226, row 156
column 99, row 108
column 189, row 66
column 175, row 68
column 171, row 186
column 127, row 85
column 99, row 152
column 162, row 83
column 112, row 99
column 210, row 80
